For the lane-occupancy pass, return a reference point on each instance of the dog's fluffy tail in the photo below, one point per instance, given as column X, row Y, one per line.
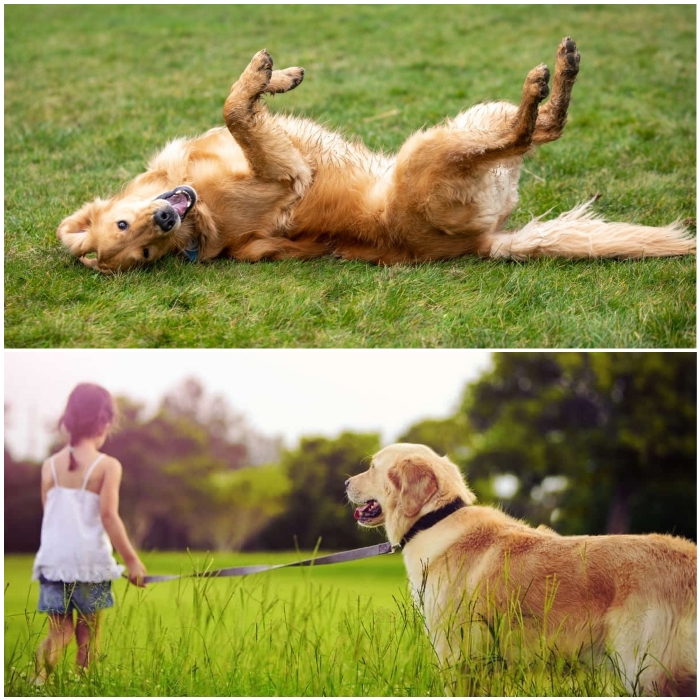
column 579, row 233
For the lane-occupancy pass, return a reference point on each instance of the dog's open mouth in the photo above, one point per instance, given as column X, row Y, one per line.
column 181, row 199
column 369, row 511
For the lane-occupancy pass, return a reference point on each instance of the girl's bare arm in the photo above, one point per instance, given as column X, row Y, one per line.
column 113, row 524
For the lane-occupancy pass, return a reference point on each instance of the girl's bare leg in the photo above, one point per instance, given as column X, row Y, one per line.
column 50, row 649
column 87, row 631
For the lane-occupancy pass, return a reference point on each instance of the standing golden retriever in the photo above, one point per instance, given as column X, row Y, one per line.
column 631, row 597
column 270, row 187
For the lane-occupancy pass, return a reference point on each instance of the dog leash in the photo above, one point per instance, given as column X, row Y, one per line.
column 337, row 558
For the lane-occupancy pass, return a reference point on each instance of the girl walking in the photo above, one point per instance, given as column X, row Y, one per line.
column 75, row 565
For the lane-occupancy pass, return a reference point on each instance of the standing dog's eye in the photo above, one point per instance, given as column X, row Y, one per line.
column 146, row 253
column 122, row 225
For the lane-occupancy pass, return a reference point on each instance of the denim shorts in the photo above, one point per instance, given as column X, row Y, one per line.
column 60, row 598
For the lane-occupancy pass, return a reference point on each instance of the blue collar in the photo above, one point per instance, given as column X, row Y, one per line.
column 192, row 253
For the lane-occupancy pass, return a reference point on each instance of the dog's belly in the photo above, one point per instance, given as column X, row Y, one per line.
column 499, row 193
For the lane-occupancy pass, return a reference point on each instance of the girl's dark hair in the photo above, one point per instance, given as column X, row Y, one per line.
column 90, row 409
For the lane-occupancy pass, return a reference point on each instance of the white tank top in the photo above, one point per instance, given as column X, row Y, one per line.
column 74, row 544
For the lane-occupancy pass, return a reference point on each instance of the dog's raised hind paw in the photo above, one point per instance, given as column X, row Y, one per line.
column 285, row 80
column 568, row 57
column 537, row 82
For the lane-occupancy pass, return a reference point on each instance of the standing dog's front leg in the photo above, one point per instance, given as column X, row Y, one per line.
column 270, row 153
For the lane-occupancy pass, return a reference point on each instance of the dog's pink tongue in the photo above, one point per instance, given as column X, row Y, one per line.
column 179, row 203
column 359, row 512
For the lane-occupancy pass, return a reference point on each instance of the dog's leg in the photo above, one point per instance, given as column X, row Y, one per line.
column 502, row 135
column 536, row 88
column 461, row 178
column 259, row 78
column 482, row 135
column 552, row 116
column 259, row 248
column 267, row 147
column 284, row 80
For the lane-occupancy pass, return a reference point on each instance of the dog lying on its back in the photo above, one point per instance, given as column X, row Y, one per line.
column 271, row 187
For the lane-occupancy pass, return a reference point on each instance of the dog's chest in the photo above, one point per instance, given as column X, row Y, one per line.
column 436, row 570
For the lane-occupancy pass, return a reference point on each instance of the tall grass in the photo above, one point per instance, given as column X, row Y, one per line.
column 351, row 631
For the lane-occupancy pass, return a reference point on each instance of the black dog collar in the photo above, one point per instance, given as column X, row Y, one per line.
column 430, row 519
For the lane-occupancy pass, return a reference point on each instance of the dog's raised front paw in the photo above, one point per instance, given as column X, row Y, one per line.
column 262, row 61
column 256, row 76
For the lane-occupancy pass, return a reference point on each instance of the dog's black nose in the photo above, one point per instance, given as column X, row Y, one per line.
column 347, row 483
column 166, row 218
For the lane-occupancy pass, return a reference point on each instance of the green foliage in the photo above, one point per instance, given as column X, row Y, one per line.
column 620, row 427
column 244, row 501
column 91, row 92
column 447, row 436
column 316, row 508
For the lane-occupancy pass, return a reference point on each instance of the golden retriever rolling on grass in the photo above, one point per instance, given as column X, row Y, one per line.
column 628, row 598
column 270, row 187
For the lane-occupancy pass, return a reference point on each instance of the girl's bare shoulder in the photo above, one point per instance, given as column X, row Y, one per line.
column 111, row 465
column 56, row 458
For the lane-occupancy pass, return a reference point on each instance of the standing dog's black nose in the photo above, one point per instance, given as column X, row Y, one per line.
column 347, row 483
column 166, row 218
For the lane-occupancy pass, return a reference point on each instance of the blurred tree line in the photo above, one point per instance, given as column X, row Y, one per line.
column 585, row 442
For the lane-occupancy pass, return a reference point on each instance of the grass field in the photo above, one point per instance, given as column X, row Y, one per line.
column 341, row 630
column 92, row 91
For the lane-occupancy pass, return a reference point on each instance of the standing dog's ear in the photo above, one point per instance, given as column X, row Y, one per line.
column 416, row 482
column 74, row 230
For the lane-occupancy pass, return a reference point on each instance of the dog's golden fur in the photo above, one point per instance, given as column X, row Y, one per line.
column 270, row 187
column 630, row 596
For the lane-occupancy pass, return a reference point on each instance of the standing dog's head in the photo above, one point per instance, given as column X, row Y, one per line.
column 403, row 483
column 126, row 230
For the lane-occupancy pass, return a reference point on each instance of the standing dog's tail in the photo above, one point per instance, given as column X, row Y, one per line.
column 581, row 234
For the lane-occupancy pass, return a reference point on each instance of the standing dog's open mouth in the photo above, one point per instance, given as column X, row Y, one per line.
column 368, row 512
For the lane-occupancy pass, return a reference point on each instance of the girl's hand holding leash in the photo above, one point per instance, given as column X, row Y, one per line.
column 137, row 573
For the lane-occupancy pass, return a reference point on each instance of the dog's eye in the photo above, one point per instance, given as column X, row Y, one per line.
column 122, row 225
column 146, row 253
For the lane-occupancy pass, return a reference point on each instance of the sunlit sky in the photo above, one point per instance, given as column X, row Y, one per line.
column 288, row 393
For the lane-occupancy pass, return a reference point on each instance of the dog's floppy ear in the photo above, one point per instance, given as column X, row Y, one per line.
column 207, row 233
column 94, row 264
column 74, row 230
column 416, row 482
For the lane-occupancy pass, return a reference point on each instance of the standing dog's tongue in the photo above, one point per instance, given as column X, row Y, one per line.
column 371, row 509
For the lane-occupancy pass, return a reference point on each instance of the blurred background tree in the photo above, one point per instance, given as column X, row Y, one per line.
column 316, row 505
column 598, row 442
column 22, row 505
column 583, row 442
